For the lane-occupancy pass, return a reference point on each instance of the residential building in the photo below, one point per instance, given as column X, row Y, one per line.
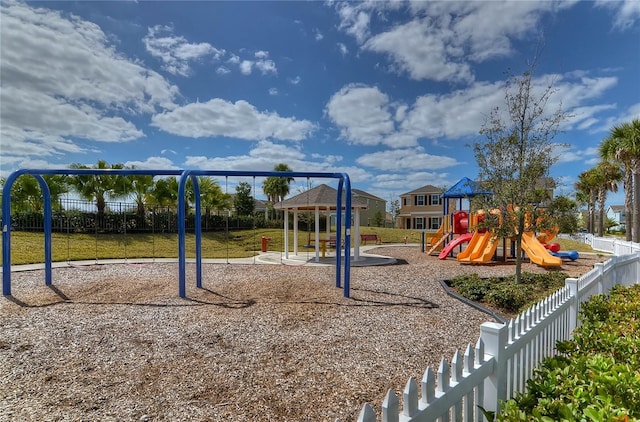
column 616, row 213
column 422, row 209
column 375, row 206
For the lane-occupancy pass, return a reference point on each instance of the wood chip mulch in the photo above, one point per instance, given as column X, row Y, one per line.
column 258, row 342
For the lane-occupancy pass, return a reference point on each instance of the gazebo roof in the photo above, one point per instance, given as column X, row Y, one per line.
column 322, row 196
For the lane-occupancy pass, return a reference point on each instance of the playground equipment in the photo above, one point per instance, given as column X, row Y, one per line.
column 460, row 222
column 537, row 253
column 344, row 185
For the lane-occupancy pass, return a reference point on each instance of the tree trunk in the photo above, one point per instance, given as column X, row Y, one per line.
column 628, row 204
column 601, row 199
column 100, row 204
column 636, row 202
column 519, row 251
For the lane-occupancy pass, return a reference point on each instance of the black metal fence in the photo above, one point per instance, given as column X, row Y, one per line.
column 76, row 216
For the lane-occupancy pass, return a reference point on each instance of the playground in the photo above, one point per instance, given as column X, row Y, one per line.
column 256, row 342
column 461, row 227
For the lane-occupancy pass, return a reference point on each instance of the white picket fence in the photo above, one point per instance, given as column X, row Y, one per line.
column 605, row 244
column 504, row 357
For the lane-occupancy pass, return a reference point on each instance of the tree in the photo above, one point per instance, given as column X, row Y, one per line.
column 515, row 154
column 607, row 175
column 587, row 192
column 27, row 196
column 211, row 195
column 394, row 209
column 140, row 185
column 378, row 219
column 623, row 145
column 98, row 187
column 243, row 201
column 277, row 188
column 164, row 192
column 565, row 213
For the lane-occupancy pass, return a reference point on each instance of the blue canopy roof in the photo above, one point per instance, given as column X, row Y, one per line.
column 465, row 188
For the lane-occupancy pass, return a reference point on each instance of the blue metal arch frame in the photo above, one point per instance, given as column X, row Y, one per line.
column 344, row 183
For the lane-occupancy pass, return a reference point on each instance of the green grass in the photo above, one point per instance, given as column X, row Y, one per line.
column 572, row 245
column 28, row 247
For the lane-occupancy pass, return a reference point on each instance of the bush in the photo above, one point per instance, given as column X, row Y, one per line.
column 473, row 287
column 510, row 297
column 504, row 293
column 597, row 375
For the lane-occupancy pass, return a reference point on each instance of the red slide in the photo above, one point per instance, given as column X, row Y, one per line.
column 455, row 242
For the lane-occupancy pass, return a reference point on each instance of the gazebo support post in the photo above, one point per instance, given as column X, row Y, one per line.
column 317, row 233
column 295, row 233
column 356, row 235
column 286, row 233
column 328, row 223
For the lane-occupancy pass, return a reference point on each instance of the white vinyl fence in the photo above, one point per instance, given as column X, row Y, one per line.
column 605, row 244
column 504, row 357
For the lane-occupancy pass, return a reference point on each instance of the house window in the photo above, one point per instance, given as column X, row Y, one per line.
column 418, row 223
column 419, row 199
column 405, row 201
column 434, row 223
column 435, row 199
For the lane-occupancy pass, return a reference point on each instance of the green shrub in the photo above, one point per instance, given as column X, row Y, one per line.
column 510, row 297
column 473, row 287
column 504, row 293
column 596, row 377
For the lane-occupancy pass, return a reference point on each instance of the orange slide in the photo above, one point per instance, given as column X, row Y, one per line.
column 537, row 253
column 480, row 249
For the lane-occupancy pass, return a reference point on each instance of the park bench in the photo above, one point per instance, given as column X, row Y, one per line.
column 370, row 237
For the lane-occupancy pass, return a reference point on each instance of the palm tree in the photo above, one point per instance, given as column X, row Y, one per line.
column 587, row 188
column 623, row 144
column 607, row 175
column 98, row 187
column 164, row 192
column 211, row 195
column 140, row 185
column 277, row 188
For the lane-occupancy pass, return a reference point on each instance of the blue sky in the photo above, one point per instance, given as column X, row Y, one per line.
column 390, row 92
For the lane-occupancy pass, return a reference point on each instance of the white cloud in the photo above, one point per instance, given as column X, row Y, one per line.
column 261, row 54
column 175, row 52
column 266, row 66
column 295, row 81
column 266, row 154
column 422, row 51
column 63, row 80
column 569, row 154
column 362, row 113
column 221, row 70
column 234, row 59
column 354, row 20
column 366, row 116
column 273, row 91
column 318, row 35
column 240, row 120
column 245, row 67
column 406, row 182
column 438, row 40
column 627, row 12
column 153, row 163
column 411, row 159
column 343, row 49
